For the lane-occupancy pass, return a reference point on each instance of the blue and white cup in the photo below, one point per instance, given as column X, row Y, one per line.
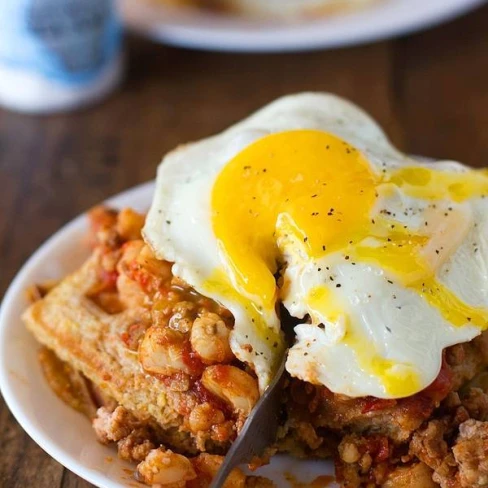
column 58, row 54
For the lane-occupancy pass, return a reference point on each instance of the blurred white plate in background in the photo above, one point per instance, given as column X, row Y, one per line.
column 203, row 30
column 63, row 433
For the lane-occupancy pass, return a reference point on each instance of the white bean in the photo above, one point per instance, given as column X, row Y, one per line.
column 164, row 467
column 210, row 339
column 162, row 352
column 233, row 385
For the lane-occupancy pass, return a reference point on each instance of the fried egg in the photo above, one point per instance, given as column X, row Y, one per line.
column 383, row 259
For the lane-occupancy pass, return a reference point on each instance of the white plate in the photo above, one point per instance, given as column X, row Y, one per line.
column 63, row 433
column 203, row 30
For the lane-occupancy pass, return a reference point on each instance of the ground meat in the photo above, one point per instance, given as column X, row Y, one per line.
column 134, row 438
column 468, row 359
column 430, row 446
column 476, row 403
column 452, row 449
column 433, row 444
column 363, row 460
column 112, row 426
column 471, row 454
column 137, row 445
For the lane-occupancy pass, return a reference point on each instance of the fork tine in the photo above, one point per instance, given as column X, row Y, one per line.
column 259, row 431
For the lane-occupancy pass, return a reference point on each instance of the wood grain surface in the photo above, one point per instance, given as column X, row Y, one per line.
column 429, row 91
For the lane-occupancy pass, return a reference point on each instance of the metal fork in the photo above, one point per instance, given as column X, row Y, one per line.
column 261, row 427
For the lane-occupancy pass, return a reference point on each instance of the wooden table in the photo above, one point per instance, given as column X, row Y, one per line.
column 429, row 91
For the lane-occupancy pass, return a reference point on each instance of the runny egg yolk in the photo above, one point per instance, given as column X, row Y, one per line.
column 323, row 185
column 327, row 191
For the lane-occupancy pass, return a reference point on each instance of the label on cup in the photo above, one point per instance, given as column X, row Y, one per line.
column 69, row 42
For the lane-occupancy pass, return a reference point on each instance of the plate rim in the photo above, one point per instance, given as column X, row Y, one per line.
column 235, row 35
